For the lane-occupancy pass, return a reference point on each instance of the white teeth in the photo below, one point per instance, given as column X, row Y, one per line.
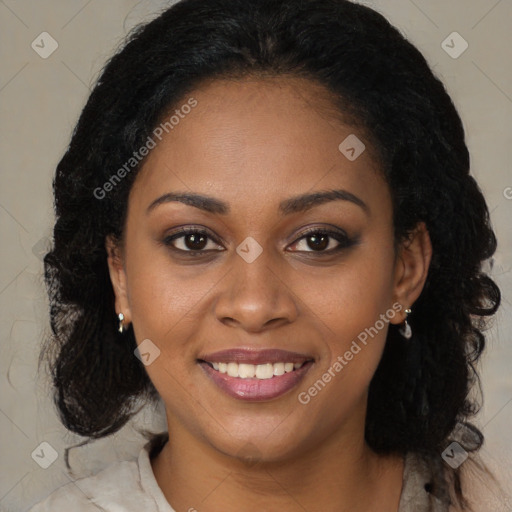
column 246, row 371
column 259, row 371
column 278, row 369
column 233, row 369
column 264, row 371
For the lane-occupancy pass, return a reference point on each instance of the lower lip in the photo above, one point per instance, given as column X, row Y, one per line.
column 256, row 390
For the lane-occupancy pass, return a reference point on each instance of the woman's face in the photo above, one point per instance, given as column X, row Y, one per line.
column 282, row 273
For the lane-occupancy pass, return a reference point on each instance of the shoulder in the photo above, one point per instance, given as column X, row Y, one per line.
column 486, row 485
column 117, row 487
column 429, row 485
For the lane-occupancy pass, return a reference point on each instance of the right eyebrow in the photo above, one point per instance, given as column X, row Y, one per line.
column 208, row 204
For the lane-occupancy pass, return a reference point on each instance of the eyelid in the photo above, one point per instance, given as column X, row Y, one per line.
column 322, row 229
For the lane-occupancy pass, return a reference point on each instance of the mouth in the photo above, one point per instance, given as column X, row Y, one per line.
column 255, row 375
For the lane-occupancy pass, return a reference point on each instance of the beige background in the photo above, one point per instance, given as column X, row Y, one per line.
column 40, row 100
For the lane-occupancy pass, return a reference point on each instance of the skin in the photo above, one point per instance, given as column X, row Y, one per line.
column 253, row 143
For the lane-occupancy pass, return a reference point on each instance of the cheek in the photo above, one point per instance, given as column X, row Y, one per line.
column 352, row 295
column 164, row 305
column 356, row 311
column 355, row 304
column 161, row 293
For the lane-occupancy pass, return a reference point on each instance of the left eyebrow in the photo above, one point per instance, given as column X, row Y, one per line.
column 305, row 202
column 295, row 204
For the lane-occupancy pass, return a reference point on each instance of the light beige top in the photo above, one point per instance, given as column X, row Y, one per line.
column 131, row 486
column 423, row 490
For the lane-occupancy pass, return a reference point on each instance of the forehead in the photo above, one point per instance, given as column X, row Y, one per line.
column 257, row 140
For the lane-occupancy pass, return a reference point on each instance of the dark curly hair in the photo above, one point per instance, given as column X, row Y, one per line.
column 379, row 81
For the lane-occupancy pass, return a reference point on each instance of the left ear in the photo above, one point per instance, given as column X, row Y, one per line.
column 411, row 268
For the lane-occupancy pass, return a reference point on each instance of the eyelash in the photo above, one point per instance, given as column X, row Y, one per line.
column 344, row 241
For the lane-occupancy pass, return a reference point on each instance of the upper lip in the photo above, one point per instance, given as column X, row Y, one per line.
column 251, row 356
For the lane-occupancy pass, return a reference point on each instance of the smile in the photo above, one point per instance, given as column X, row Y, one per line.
column 257, row 371
column 255, row 375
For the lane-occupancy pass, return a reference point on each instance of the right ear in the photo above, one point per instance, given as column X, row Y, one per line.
column 118, row 277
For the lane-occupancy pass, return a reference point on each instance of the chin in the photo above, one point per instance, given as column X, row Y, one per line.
column 261, row 446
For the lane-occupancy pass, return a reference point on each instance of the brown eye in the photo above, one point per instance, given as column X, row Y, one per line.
column 195, row 242
column 323, row 241
column 318, row 242
column 189, row 240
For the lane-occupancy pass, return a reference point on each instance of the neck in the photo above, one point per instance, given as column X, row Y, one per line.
column 342, row 474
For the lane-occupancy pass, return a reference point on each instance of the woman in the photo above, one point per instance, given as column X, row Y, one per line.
column 265, row 218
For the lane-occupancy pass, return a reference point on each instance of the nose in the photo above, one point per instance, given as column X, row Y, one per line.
column 255, row 296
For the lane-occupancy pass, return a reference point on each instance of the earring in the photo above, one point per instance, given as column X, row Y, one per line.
column 405, row 330
column 121, row 326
